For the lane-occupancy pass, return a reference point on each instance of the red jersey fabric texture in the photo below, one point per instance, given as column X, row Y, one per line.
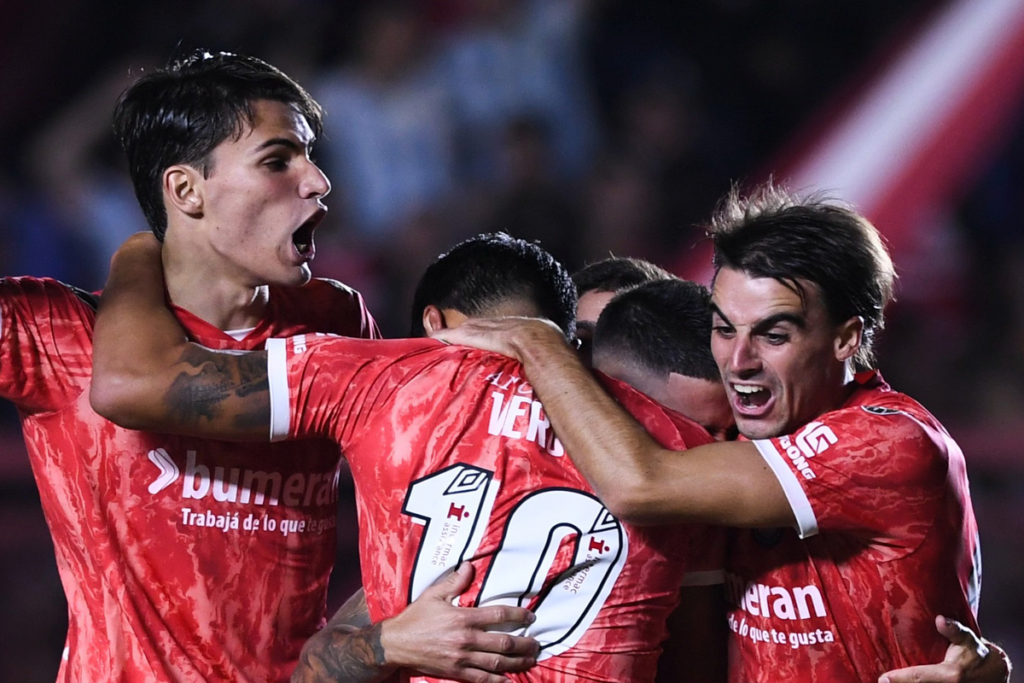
column 886, row 540
column 454, row 459
column 181, row 558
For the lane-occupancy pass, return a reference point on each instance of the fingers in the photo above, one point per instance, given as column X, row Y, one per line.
column 497, row 618
column 495, row 665
column 932, row 673
column 507, row 645
column 958, row 634
column 451, row 585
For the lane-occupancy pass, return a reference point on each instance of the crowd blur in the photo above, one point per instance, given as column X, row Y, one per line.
column 595, row 126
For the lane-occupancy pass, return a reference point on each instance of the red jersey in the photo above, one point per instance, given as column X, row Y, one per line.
column 179, row 557
column 454, row 459
column 885, row 541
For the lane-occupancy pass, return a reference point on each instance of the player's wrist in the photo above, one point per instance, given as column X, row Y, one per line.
column 539, row 342
column 390, row 645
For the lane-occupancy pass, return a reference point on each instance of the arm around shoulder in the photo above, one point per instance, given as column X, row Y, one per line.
column 147, row 375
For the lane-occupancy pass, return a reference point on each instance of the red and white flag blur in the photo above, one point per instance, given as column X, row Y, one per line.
column 913, row 138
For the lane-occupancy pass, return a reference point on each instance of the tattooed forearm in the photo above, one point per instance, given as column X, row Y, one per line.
column 342, row 655
column 212, row 381
column 354, row 612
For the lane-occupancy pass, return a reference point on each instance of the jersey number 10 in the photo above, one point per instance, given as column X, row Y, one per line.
column 455, row 505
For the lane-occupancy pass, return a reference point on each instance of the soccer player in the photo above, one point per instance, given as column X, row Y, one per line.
column 453, row 460
column 655, row 338
column 185, row 559
column 596, row 285
column 854, row 503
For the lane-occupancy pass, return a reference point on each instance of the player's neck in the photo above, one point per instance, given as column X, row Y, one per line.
column 202, row 286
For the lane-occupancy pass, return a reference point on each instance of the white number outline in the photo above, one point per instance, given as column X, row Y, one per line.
column 560, row 621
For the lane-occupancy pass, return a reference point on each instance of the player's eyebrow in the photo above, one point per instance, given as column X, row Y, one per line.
column 715, row 310
column 766, row 323
column 778, row 318
column 283, row 142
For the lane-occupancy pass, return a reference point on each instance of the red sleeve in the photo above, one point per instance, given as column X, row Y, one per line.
column 864, row 470
column 45, row 343
column 320, row 384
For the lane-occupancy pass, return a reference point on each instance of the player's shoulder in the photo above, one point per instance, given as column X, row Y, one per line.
column 28, row 287
column 324, row 305
column 671, row 429
column 331, row 287
column 878, row 416
column 320, row 291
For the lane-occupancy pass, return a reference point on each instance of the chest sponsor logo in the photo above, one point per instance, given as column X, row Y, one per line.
column 241, row 486
column 775, row 602
column 772, row 614
column 812, row 440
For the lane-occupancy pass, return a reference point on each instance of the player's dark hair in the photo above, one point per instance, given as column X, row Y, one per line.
column 488, row 270
column 662, row 326
column 179, row 114
column 771, row 233
column 615, row 274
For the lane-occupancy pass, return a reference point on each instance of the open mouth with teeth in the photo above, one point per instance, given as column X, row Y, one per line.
column 302, row 239
column 751, row 396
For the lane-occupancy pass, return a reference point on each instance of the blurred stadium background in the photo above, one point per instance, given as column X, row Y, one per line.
column 595, row 126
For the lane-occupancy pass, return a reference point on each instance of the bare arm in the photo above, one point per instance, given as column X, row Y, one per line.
column 147, row 375
column 431, row 636
column 637, row 479
column 969, row 659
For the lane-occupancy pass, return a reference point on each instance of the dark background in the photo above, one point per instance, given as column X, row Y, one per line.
column 600, row 126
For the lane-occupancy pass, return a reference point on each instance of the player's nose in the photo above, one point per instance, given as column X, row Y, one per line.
column 314, row 182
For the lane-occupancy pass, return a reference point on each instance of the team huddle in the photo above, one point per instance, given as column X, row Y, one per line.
column 614, row 476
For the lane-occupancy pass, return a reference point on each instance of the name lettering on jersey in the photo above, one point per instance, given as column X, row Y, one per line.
column 508, row 418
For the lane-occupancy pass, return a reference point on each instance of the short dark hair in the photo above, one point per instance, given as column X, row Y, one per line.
column 488, row 270
column 771, row 233
column 617, row 273
column 179, row 114
column 662, row 326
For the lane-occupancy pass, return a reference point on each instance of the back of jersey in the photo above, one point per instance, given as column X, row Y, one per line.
column 454, row 459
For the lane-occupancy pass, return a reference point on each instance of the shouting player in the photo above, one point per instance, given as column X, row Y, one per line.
column 453, row 460
column 858, row 518
column 183, row 559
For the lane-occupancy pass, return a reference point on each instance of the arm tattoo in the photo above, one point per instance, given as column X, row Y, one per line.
column 200, row 392
column 353, row 613
column 334, row 655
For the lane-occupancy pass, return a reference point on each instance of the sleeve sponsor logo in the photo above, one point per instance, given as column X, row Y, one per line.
column 812, row 440
column 815, row 438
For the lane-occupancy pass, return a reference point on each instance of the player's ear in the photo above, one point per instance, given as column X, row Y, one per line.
column 848, row 338
column 433, row 319
column 183, row 189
